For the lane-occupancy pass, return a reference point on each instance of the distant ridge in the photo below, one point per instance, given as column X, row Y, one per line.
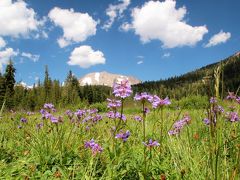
column 105, row 78
column 192, row 82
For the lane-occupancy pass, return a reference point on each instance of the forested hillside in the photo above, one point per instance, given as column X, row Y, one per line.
column 192, row 83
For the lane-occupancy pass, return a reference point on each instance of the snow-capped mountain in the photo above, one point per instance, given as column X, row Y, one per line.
column 105, row 78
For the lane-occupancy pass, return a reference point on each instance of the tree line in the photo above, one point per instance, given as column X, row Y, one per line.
column 15, row 96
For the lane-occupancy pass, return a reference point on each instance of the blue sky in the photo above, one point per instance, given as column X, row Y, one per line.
column 150, row 40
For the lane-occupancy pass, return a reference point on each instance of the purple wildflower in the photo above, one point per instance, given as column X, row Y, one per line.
column 54, row 119
column 143, row 97
column 113, row 115
column 97, row 118
column 178, row 125
column 231, row 96
column 218, row 109
column 113, row 103
column 206, row 121
column 238, row 99
column 19, row 127
column 232, row 116
column 23, row 120
column 96, row 148
column 43, row 111
column 48, row 115
column 137, row 118
column 213, row 100
column 123, row 136
column 92, row 111
column 158, row 102
column 48, row 106
column 146, row 110
column 122, row 89
column 151, row 143
column 69, row 113
column 80, row 113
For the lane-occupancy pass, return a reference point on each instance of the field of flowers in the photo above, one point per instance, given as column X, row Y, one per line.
column 157, row 142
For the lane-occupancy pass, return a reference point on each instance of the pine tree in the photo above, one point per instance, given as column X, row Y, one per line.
column 47, row 85
column 10, row 82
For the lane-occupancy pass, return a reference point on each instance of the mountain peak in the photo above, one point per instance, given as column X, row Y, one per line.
column 237, row 54
column 105, row 78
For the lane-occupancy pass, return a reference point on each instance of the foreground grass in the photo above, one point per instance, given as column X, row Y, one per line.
column 57, row 150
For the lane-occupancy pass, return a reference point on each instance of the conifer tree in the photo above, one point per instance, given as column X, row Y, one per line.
column 10, row 82
column 47, row 85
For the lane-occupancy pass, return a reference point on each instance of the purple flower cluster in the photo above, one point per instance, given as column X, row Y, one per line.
column 213, row 100
column 137, row 118
column 48, row 106
column 94, row 118
column 96, row 148
column 143, row 97
column 123, row 136
column 122, row 89
column 23, row 120
column 206, row 121
column 113, row 115
column 231, row 96
column 232, row 116
column 177, row 126
column 158, row 102
column 80, row 113
column 69, row 113
column 113, row 103
column 151, row 143
column 218, row 109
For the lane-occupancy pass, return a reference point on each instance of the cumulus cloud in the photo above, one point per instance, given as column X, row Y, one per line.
column 76, row 26
column 85, row 56
column 30, row 56
column 162, row 21
column 218, row 38
column 140, row 62
column 114, row 11
column 6, row 55
column 2, row 43
column 17, row 19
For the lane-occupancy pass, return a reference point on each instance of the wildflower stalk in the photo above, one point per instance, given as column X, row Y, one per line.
column 161, row 130
column 144, row 138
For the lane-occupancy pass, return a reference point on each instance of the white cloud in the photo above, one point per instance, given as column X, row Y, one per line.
column 6, row 55
column 85, row 56
column 162, row 21
column 140, row 62
column 77, row 27
column 218, row 38
column 165, row 55
column 30, row 56
column 126, row 27
column 2, row 43
column 114, row 11
column 17, row 19
column 140, row 57
column 63, row 42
